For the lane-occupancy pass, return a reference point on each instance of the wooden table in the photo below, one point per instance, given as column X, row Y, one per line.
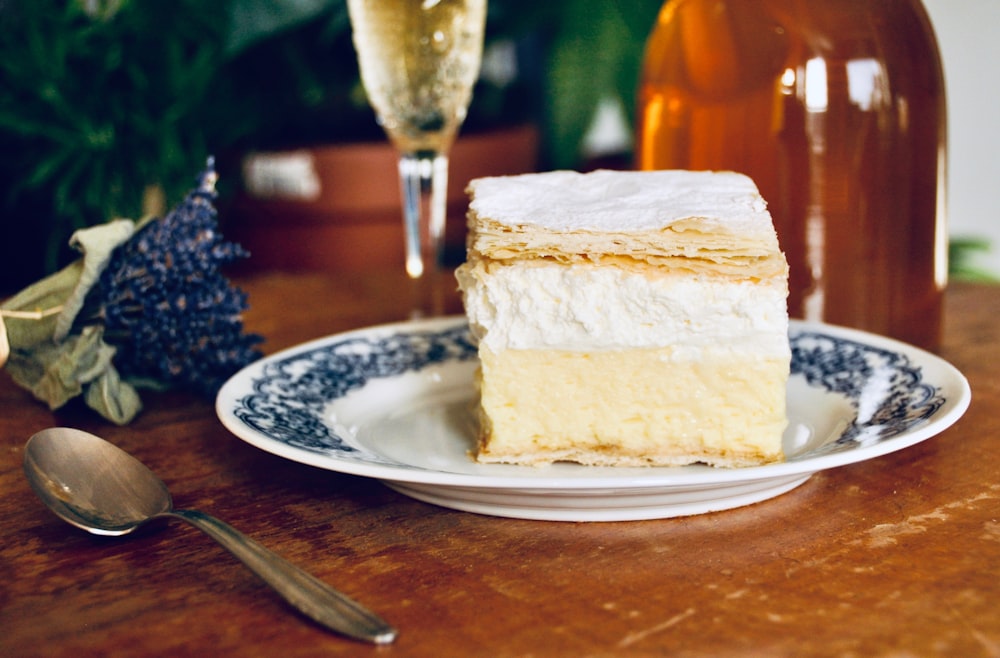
column 897, row 556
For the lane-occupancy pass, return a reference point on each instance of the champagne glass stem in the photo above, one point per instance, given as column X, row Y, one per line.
column 423, row 178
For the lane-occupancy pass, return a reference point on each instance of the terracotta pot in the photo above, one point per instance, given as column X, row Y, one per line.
column 337, row 207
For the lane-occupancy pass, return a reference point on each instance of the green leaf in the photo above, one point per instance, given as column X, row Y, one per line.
column 114, row 399
column 596, row 54
column 57, row 299
column 962, row 252
column 253, row 20
column 44, row 298
column 56, row 372
column 97, row 243
column 578, row 55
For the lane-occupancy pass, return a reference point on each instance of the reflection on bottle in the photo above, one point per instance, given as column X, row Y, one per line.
column 836, row 109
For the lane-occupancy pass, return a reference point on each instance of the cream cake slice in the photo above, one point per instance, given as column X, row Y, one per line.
column 627, row 318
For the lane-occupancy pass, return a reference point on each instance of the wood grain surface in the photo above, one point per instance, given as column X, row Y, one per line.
column 897, row 556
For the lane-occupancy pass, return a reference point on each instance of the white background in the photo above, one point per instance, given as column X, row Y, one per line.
column 968, row 33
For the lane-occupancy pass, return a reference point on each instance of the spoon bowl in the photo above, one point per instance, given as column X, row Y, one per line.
column 96, row 486
column 91, row 483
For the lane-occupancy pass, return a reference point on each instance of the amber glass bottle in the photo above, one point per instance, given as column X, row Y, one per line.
column 836, row 108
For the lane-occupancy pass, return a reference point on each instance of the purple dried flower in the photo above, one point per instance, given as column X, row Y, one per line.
column 168, row 309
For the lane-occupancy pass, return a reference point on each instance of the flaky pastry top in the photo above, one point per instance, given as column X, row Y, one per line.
column 707, row 219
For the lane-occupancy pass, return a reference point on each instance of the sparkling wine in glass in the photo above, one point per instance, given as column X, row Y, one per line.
column 419, row 60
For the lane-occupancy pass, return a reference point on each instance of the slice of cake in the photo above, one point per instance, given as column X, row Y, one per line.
column 627, row 318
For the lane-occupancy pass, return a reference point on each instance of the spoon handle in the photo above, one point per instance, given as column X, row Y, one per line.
column 311, row 596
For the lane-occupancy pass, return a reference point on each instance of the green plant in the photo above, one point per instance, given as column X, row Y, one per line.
column 575, row 54
column 100, row 107
column 108, row 104
column 962, row 253
column 595, row 51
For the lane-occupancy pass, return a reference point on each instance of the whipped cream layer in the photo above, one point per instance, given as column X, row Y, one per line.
column 583, row 307
column 608, row 201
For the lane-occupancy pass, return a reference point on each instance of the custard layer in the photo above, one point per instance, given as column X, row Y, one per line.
column 631, row 407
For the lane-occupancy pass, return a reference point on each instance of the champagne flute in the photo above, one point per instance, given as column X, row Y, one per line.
column 419, row 60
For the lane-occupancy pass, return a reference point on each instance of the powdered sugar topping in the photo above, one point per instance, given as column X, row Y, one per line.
column 615, row 201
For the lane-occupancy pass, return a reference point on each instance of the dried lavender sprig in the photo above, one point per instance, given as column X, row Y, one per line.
column 167, row 307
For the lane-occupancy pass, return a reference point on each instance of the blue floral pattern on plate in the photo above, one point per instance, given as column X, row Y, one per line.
column 290, row 394
column 392, row 402
column 883, row 385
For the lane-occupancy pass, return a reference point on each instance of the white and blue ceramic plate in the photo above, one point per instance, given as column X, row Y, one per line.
column 396, row 403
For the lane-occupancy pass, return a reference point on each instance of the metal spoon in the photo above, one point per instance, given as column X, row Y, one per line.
column 96, row 486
